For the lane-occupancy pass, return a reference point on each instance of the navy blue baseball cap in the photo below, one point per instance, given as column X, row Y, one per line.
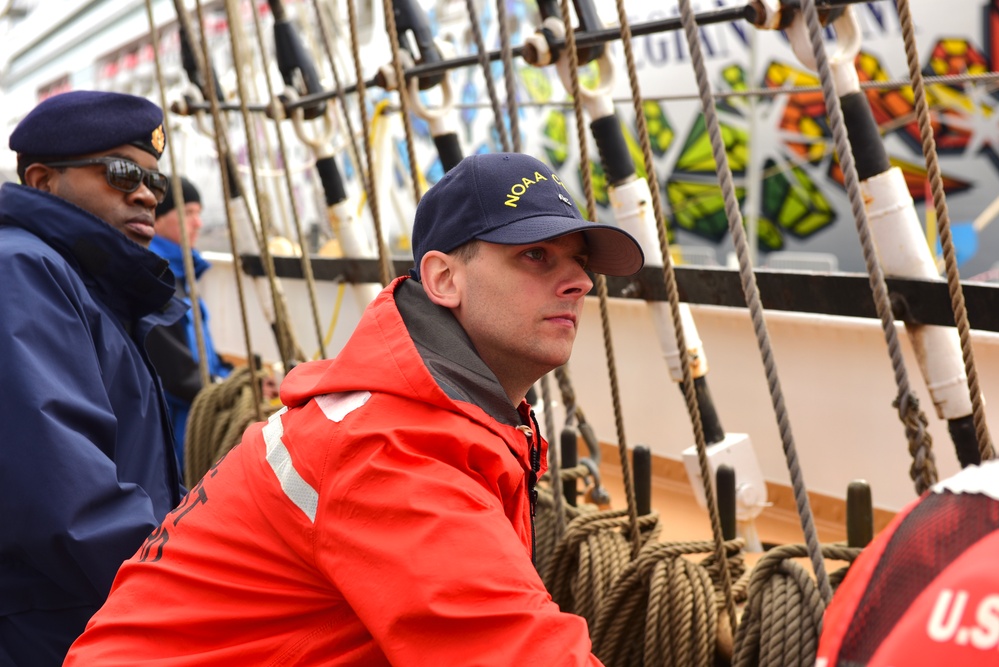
column 513, row 199
column 81, row 122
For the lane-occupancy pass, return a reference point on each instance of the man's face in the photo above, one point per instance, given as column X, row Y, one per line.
column 168, row 226
column 131, row 213
column 520, row 305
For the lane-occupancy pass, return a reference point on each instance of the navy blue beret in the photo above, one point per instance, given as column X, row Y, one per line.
column 81, row 122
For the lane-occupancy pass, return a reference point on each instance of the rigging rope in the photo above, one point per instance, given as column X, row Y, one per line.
column 487, row 74
column 554, row 467
column 923, row 470
column 600, row 280
column 304, row 255
column 943, row 227
column 752, row 295
column 190, row 279
column 384, row 260
column 202, row 60
column 508, row 74
column 287, row 345
column 669, row 278
column 403, row 90
column 341, row 97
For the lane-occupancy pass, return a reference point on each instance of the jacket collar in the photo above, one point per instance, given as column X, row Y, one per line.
column 450, row 356
column 131, row 280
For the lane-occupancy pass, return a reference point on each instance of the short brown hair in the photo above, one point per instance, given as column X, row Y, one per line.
column 466, row 251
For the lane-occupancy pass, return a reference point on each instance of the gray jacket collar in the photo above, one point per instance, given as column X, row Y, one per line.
column 450, row 356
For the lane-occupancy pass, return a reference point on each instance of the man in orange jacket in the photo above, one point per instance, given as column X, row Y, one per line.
column 385, row 515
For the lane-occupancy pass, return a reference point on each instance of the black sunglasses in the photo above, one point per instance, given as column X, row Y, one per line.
column 124, row 175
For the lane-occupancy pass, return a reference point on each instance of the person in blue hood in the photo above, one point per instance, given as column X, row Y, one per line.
column 174, row 349
column 88, row 465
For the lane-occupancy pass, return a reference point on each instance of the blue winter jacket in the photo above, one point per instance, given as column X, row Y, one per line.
column 87, row 466
column 174, row 349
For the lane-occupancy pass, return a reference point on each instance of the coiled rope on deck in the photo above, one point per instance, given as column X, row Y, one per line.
column 663, row 608
column 783, row 618
column 219, row 415
column 594, row 551
column 548, row 520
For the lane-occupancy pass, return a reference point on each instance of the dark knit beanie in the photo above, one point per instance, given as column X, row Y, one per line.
column 191, row 194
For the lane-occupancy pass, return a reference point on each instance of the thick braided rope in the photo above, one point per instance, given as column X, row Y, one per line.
column 367, row 172
column 324, row 31
column 920, row 442
column 663, row 608
column 304, row 258
column 549, row 533
column 583, row 566
column 219, row 415
column 783, row 618
column 487, row 74
column 553, row 509
column 506, row 54
column 600, row 280
column 403, row 90
column 679, row 626
column 752, row 294
column 669, row 281
column 285, row 335
column 943, row 227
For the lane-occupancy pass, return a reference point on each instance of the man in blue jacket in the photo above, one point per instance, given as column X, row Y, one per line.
column 174, row 349
column 88, row 466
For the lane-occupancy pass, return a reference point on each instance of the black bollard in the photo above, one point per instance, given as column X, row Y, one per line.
column 859, row 514
column 570, row 459
column 725, row 497
column 641, row 466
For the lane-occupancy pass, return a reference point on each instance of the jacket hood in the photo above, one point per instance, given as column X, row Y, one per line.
column 440, row 368
column 132, row 280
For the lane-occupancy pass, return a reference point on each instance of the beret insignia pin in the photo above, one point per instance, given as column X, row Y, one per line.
column 158, row 139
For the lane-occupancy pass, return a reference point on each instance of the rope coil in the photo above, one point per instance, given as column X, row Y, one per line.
column 219, row 415
column 664, row 607
column 591, row 555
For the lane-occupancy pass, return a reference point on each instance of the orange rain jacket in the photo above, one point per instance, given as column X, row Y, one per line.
column 375, row 521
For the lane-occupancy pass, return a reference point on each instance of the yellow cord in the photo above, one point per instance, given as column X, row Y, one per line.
column 341, row 288
column 373, row 133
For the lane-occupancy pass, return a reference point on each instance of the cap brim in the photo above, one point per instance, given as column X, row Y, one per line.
column 613, row 251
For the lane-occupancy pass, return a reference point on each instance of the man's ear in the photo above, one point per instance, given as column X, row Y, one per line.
column 39, row 176
column 441, row 278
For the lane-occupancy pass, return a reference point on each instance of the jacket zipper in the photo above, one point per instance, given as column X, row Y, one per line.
column 534, row 455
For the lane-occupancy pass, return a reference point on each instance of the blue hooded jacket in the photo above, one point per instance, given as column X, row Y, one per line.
column 174, row 350
column 87, row 466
